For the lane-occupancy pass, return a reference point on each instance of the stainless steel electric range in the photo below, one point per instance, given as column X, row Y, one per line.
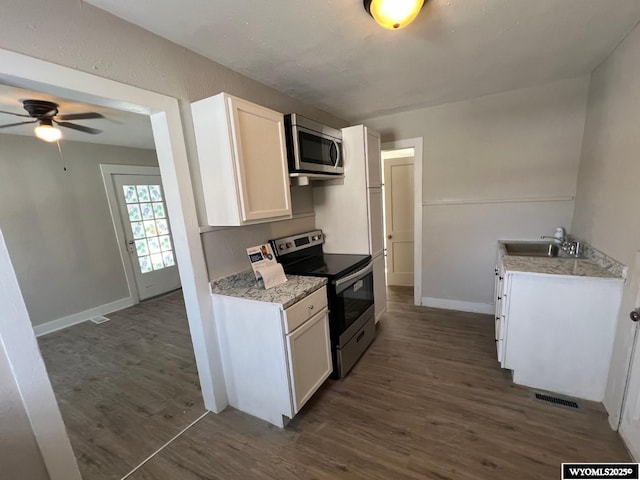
column 350, row 291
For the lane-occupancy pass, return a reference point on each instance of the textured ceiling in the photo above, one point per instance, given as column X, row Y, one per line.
column 119, row 127
column 332, row 55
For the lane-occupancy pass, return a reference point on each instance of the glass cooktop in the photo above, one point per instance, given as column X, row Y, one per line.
column 330, row 265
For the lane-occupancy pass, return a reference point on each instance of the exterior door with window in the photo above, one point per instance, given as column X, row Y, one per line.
column 145, row 222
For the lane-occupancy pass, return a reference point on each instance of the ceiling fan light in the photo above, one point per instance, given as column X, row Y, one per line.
column 393, row 14
column 48, row 133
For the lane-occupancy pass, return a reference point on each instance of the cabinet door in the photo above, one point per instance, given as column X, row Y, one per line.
column 376, row 228
column 379, row 286
column 374, row 164
column 498, row 298
column 260, row 160
column 310, row 361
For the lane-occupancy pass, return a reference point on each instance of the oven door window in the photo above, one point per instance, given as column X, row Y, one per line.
column 352, row 302
column 317, row 150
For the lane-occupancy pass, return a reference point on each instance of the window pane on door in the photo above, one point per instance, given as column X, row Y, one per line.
column 155, row 193
column 151, row 233
column 143, row 193
column 158, row 210
column 145, row 264
column 130, row 194
column 147, row 211
column 168, row 259
column 150, row 228
column 138, row 230
column 142, row 248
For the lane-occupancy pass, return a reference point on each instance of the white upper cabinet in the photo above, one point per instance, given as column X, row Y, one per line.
column 374, row 163
column 243, row 161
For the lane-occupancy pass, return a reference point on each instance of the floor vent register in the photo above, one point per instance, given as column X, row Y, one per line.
column 99, row 319
column 557, row 400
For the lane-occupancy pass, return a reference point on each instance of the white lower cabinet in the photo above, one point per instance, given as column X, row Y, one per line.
column 556, row 332
column 309, row 358
column 501, row 302
column 273, row 359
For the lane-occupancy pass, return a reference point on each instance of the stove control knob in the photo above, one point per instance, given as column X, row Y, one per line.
column 281, row 247
column 288, row 244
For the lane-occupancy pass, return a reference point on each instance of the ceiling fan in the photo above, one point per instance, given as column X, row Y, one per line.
column 46, row 115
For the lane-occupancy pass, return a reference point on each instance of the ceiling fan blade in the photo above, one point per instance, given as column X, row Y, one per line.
column 16, row 124
column 80, row 116
column 16, row 114
column 80, row 128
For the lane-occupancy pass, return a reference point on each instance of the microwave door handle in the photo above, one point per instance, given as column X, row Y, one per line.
column 338, row 156
column 353, row 276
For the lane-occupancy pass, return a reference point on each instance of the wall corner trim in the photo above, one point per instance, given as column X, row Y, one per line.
column 76, row 318
column 446, row 304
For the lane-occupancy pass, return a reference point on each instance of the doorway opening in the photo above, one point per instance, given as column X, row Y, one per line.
column 402, row 190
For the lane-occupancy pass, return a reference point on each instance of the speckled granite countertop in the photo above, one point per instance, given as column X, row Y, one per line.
column 573, row 267
column 245, row 285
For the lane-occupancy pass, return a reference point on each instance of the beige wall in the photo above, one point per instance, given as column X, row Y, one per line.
column 57, row 224
column 607, row 199
column 489, row 155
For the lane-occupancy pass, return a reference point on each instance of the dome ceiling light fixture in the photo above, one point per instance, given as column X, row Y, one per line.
column 47, row 132
column 393, row 14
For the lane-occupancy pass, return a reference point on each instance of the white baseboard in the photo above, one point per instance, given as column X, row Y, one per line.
column 633, row 453
column 64, row 322
column 474, row 307
column 379, row 316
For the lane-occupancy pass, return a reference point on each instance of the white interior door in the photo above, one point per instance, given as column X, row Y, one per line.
column 398, row 199
column 626, row 347
column 147, row 232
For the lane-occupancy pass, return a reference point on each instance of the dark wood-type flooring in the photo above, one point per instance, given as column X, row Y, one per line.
column 125, row 387
column 427, row 401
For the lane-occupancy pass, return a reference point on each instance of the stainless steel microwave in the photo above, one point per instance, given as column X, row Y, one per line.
column 312, row 147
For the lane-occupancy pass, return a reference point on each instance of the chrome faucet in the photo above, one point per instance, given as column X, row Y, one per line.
column 572, row 248
column 561, row 240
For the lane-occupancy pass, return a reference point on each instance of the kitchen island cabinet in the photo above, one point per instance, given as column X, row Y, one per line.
column 275, row 343
column 243, row 161
column 555, row 323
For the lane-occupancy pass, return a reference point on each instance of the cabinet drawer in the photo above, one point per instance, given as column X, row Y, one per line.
column 300, row 312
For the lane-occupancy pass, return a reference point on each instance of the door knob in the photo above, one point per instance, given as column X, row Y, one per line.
column 635, row 314
column 389, row 237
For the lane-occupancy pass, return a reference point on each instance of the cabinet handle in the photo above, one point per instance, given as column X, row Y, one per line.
column 496, row 271
column 310, row 307
column 500, row 278
column 499, row 298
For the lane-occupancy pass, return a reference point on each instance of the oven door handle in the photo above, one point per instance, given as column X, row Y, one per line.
column 354, row 276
